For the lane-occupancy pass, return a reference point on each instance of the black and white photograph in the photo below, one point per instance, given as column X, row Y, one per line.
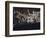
column 24, row 18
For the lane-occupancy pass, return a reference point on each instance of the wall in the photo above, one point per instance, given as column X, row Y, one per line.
column 2, row 19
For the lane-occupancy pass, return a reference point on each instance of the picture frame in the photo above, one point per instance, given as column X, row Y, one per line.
column 34, row 25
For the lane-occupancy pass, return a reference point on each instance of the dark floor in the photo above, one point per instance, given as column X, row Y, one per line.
column 26, row 26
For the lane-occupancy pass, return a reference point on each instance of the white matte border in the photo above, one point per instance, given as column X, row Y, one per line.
column 11, row 32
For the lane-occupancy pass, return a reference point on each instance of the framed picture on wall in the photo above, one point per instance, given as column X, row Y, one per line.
column 24, row 18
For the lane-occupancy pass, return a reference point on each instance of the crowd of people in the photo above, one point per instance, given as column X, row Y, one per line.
column 26, row 15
